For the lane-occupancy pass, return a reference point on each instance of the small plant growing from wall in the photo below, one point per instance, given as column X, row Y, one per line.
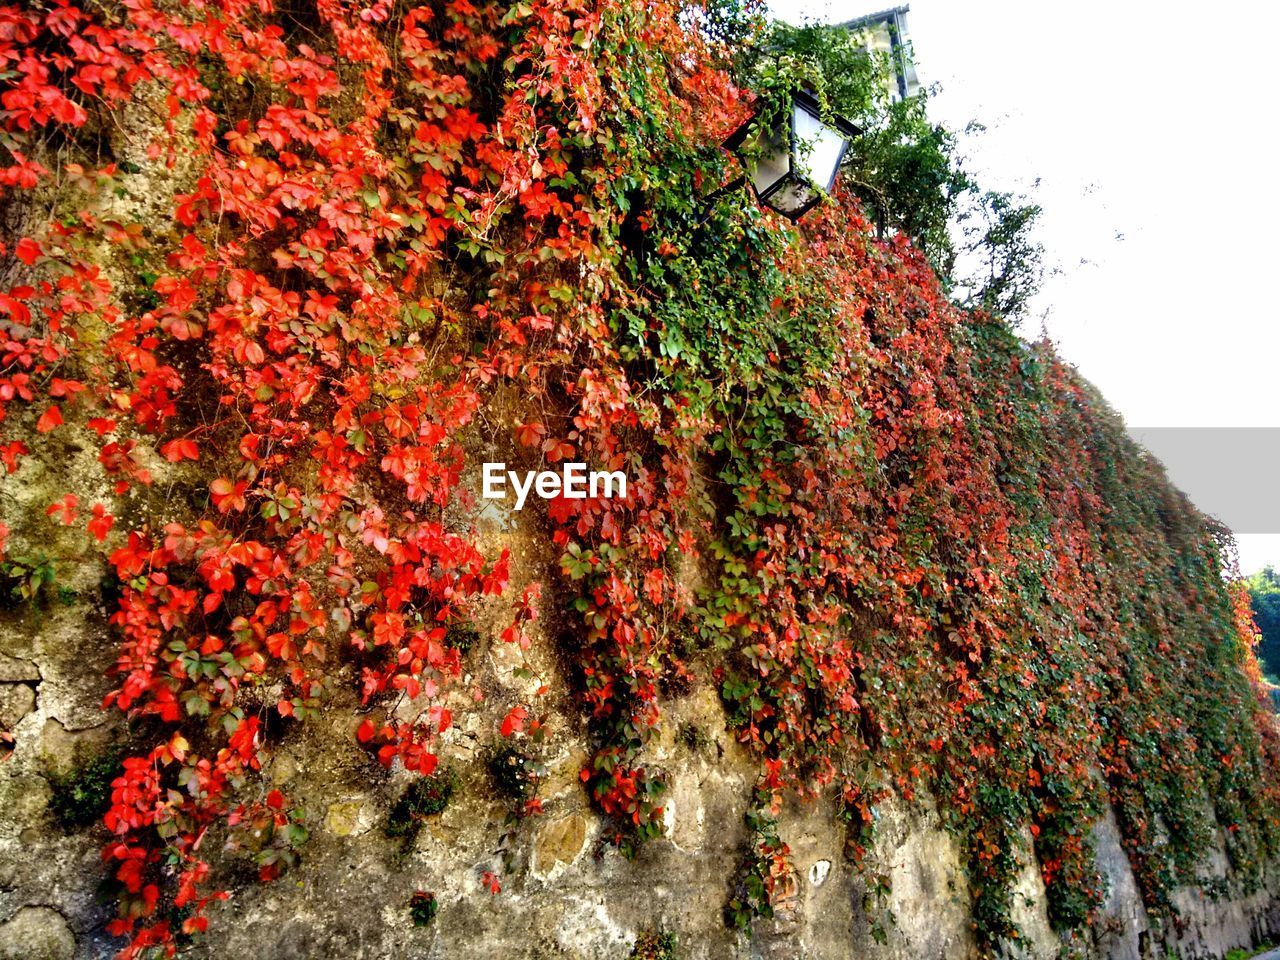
column 766, row 867
column 656, row 945
column 23, row 579
column 423, row 907
column 80, row 796
column 515, row 773
column 424, row 797
column 462, row 637
column 695, row 739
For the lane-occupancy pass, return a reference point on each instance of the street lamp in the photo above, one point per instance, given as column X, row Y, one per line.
column 794, row 161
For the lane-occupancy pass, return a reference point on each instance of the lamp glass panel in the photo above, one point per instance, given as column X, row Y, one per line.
column 769, row 160
column 791, row 198
column 817, row 148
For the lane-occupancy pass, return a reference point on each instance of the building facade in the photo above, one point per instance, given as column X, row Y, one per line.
column 885, row 34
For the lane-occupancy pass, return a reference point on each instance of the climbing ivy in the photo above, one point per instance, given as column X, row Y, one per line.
column 914, row 554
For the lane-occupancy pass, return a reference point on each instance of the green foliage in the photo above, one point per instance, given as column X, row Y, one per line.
column 1005, row 263
column 907, row 171
column 80, row 796
column 829, row 60
column 764, row 865
column 23, row 579
column 462, row 637
column 730, row 27
column 875, row 904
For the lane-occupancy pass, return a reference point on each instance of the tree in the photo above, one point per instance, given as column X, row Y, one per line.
column 1264, row 594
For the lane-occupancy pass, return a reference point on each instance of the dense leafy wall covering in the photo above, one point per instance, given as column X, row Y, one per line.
column 914, row 554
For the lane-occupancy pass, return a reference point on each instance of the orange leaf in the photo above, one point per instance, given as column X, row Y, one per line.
column 49, row 419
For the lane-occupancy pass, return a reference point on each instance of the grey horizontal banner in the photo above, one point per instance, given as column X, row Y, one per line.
column 1228, row 472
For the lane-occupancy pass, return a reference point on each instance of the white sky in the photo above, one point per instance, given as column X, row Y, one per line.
column 1150, row 127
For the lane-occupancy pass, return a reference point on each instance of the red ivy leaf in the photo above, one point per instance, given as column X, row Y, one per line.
column 28, row 251
column 101, row 523
column 175, row 451
column 514, row 723
column 64, row 509
column 530, row 434
column 49, row 419
column 557, row 449
column 227, row 495
column 10, row 453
